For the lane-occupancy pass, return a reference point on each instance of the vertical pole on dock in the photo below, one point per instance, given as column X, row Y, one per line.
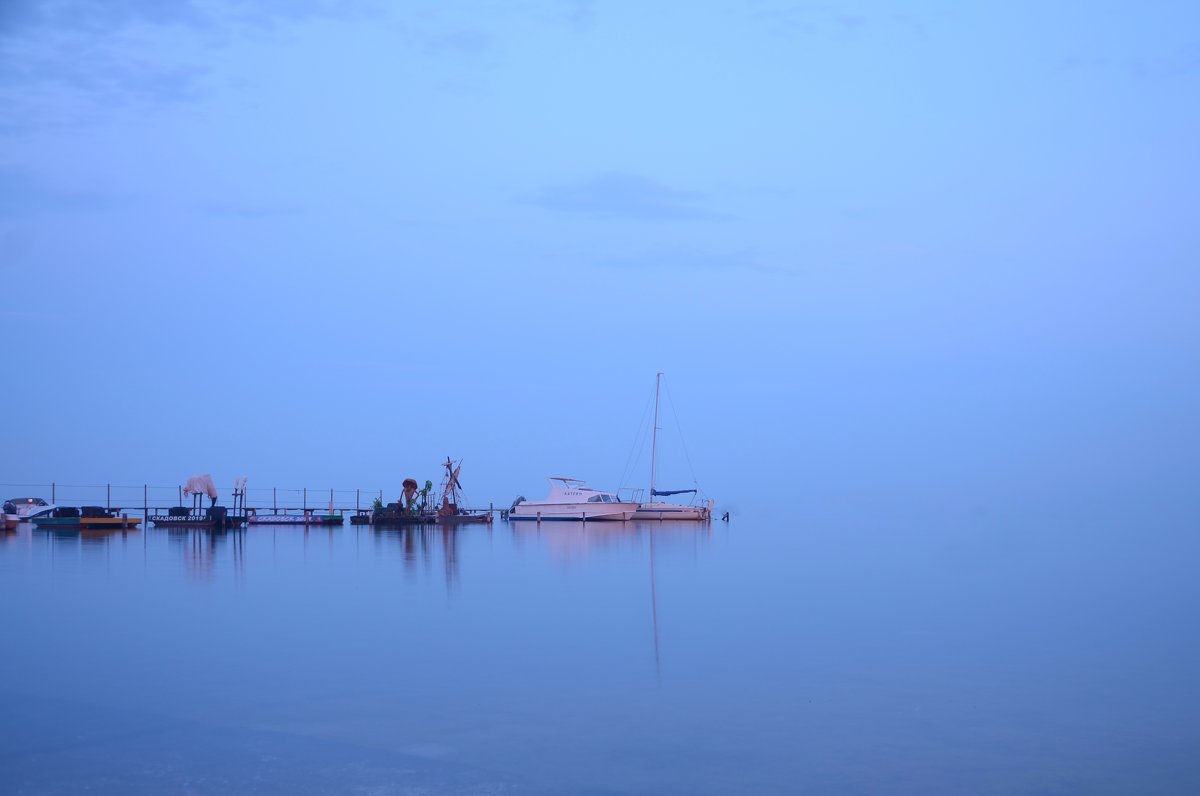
column 146, row 502
column 52, row 498
column 180, row 496
column 306, row 497
column 274, row 505
column 331, row 501
column 356, row 493
column 108, row 504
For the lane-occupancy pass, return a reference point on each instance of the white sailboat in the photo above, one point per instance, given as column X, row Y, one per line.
column 659, row 510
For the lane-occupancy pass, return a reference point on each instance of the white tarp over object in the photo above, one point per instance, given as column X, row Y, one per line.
column 200, row 484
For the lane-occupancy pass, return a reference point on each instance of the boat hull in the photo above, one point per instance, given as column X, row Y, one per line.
column 463, row 519
column 574, row 512
column 87, row 523
column 197, row 521
column 667, row 511
column 296, row 519
column 387, row 518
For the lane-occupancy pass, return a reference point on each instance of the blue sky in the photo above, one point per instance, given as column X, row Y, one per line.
column 937, row 253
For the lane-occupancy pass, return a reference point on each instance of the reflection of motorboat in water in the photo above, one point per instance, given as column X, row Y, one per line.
column 26, row 508
column 569, row 499
column 660, row 510
column 86, row 518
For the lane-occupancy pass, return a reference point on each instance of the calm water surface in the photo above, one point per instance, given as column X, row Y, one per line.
column 846, row 654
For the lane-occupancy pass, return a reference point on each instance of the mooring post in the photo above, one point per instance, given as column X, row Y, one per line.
column 356, row 493
column 108, row 504
column 52, row 498
column 331, row 501
column 274, row 504
column 180, row 496
column 146, row 502
column 305, row 497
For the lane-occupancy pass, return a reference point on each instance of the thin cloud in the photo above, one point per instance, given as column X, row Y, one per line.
column 90, row 55
column 689, row 261
column 457, row 43
column 618, row 195
column 809, row 18
column 1181, row 62
column 839, row 21
column 244, row 210
column 21, row 193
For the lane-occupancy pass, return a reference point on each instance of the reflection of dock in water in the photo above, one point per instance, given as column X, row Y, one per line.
column 200, row 547
column 418, row 545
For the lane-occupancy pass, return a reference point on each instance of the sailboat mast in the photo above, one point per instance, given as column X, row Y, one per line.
column 654, row 435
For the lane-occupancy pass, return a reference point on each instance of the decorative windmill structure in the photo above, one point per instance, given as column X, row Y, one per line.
column 451, row 488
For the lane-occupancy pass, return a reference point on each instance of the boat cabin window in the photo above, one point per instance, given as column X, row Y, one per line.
column 602, row 499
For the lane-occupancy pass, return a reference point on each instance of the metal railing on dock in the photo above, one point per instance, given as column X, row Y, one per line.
column 143, row 498
column 151, row 501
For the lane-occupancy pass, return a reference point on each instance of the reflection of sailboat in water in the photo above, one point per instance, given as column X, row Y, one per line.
column 654, row 608
column 660, row 510
column 571, row 543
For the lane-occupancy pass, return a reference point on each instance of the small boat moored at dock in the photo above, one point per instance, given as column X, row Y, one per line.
column 85, row 518
column 569, row 499
column 294, row 517
column 217, row 517
column 412, row 509
column 397, row 514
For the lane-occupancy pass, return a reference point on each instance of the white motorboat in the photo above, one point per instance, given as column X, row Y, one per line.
column 26, row 508
column 659, row 510
column 569, row 499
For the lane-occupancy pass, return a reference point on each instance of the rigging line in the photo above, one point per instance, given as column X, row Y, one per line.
column 682, row 442
column 635, row 453
column 639, row 444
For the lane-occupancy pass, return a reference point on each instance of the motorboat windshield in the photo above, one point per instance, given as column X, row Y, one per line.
column 27, row 501
column 27, row 507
